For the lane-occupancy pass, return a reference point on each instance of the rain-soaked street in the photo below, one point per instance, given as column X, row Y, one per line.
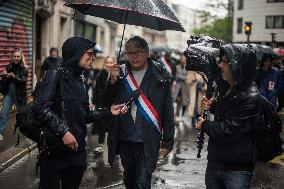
column 180, row 170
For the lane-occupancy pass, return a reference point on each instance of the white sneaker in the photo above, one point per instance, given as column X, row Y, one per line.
column 1, row 137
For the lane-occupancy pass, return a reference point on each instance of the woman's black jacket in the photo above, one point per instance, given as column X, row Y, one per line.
column 21, row 73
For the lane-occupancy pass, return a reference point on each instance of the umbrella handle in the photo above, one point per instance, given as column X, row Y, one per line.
column 118, row 57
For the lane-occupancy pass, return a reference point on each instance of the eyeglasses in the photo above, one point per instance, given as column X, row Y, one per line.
column 90, row 53
column 132, row 53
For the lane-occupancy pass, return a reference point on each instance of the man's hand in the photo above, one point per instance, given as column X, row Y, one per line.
column 164, row 152
column 70, row 141
column 206, row 103
column 199, row 122
column 119, row 109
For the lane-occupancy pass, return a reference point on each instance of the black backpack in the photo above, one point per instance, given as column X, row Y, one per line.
column 30, row 127
column 267, row 136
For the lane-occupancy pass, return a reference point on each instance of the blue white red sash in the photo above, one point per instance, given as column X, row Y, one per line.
column 167, row 65
column 143, row 104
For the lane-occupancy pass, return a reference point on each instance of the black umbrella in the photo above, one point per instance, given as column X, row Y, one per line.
column 154, row 14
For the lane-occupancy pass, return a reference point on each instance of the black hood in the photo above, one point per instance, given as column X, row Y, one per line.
column 242, row 60
column 73, row 49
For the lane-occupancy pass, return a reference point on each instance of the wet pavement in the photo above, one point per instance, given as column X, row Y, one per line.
column 181, row 170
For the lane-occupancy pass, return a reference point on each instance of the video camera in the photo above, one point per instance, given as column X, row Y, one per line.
column 202, row 56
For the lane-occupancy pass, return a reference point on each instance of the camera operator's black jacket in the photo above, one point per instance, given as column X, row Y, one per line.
column 158, row 91
column 231, row 144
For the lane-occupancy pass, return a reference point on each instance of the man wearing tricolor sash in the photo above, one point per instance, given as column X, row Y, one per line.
column 148, row 127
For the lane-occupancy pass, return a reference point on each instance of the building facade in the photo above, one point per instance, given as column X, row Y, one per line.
column 53, row 25
column 267, row 18
column 189, row 18
column 16, row 31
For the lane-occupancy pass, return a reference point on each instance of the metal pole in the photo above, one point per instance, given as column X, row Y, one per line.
column 248, row 41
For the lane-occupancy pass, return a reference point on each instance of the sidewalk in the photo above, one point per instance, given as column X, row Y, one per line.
column 9, row 153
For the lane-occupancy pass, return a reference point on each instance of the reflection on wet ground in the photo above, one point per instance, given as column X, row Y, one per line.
column 22, row 174
column 181, row 170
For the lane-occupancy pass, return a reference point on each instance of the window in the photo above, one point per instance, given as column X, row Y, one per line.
column 240, row 4
column 274, row 1
column 86, row 30
column 274, row 21
column 240, row 25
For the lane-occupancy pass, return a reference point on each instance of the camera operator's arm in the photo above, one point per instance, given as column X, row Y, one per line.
column 237, row 121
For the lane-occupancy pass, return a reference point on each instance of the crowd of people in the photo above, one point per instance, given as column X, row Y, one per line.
column 145, row 129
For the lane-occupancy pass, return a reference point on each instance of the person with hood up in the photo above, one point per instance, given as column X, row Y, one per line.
column 268, row 79
column 231, row 149
column 68, row 122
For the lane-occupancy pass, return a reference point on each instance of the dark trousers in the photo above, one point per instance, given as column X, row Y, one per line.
column 133, row 161
column 70, row 178
column 102, row 134
column 100, row 128
column 219, row 179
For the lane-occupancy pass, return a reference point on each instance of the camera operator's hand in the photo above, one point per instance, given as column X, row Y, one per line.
column 114, row 72
column 70, row 141
column 206, row 103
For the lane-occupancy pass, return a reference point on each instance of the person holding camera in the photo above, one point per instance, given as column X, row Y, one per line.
column 14, row 80
column 231, row 149
column 67, row 121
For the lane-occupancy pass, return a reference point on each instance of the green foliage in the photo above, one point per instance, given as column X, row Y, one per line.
column 215, row 26
column 220, row 28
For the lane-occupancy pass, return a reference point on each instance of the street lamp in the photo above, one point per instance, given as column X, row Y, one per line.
column 248, row 27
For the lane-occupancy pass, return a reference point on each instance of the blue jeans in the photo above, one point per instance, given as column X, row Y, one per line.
column 219, row 179
column 133, row 161
column 7, row 104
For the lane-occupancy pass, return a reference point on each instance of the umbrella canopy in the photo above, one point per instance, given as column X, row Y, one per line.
column 260, row 50
column 154, row 14
column 279, row 51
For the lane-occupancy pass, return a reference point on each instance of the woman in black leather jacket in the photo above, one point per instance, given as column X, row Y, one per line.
column 14, row 80
column 68, row 166
column 231, row 150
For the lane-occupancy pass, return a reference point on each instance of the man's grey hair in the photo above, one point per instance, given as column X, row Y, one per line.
column 137, row 42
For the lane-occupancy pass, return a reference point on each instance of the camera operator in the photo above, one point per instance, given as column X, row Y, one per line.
column 231, row 152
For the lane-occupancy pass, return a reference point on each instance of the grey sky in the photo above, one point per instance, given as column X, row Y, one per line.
column 197, row 4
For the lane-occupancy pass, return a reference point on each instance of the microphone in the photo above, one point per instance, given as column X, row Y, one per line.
column 134, row 96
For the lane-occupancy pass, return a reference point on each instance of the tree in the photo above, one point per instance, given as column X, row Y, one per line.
column 213, row 25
